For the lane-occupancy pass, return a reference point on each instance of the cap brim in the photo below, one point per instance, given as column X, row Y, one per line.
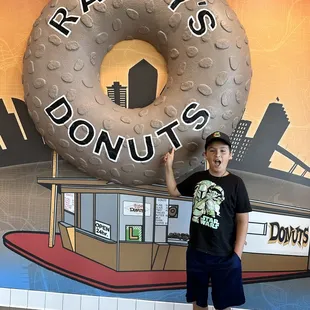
column 217, row 139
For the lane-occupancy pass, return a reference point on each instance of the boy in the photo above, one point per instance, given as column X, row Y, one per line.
column 218, row 227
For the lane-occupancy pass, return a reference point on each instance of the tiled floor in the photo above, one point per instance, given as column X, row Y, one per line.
column 59, row 301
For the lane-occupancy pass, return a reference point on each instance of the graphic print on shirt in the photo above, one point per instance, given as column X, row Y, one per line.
column 206, row 204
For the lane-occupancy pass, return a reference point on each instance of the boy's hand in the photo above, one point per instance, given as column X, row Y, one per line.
column 239, row 254
column 168, row 158
column 170, row 180
column 242, row 220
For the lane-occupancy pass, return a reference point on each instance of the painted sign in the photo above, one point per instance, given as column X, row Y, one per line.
column 103, row 229
column 277, row 234
column 136, row 208
column 69, row 202
column 173, row 211
column 133, row 233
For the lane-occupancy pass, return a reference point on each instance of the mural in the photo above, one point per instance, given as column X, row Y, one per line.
column 131, row 241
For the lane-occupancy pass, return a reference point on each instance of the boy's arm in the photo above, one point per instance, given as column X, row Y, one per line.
column 243, row 208
column 242, row 221
column 171, row 183
column 170, row 180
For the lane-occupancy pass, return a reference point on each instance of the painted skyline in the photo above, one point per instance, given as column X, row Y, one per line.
column 245, row 149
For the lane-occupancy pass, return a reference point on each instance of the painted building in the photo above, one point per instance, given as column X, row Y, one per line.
column 128, row 239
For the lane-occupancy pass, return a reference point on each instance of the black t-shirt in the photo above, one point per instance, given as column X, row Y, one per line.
column 216, row 200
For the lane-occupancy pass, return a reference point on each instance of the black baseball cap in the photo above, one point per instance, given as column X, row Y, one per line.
column 218, row 136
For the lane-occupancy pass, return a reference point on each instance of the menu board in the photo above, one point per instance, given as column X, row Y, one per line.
column 161, row 211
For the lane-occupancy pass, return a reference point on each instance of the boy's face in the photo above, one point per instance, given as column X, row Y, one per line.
column 218, row 155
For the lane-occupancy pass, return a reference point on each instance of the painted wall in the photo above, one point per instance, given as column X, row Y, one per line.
column 271, row 153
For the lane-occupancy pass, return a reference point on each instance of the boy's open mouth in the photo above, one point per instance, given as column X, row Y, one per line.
column 217, row 162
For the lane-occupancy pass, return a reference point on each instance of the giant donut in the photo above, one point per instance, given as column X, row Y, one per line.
column 209, row 77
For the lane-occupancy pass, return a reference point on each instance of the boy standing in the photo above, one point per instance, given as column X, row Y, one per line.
column 218, row 227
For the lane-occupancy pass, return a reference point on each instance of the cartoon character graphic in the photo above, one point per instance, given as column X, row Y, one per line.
column 207, row 199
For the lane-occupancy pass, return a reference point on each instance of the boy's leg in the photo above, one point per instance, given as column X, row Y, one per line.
column 196, row 307
column 227, row 286
column 197, row 279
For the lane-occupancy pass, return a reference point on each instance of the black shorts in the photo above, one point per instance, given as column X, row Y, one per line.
column 225, row 273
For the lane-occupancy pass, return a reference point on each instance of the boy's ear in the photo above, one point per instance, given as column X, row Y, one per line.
column 230, row 155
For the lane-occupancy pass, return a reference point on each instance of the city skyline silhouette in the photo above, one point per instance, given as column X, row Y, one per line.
column 134, row 95
column 15, row 154
column 254, row 154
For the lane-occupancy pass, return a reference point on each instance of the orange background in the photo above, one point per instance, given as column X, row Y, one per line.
column 279, row 37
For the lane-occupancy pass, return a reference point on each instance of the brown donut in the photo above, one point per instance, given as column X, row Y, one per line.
column 209, row 69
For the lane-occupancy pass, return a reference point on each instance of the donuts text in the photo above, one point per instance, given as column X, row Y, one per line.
column 286, row 235
column 197, row 25
column 62, row 106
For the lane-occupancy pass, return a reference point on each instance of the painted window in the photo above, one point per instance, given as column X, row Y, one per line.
column 179, row 213
column 87, row 212
column 106, row 216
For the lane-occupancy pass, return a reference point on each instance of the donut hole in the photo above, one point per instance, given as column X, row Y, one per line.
column 133, row 74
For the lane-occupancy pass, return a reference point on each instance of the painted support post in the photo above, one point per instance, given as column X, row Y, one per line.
column 53, row 203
